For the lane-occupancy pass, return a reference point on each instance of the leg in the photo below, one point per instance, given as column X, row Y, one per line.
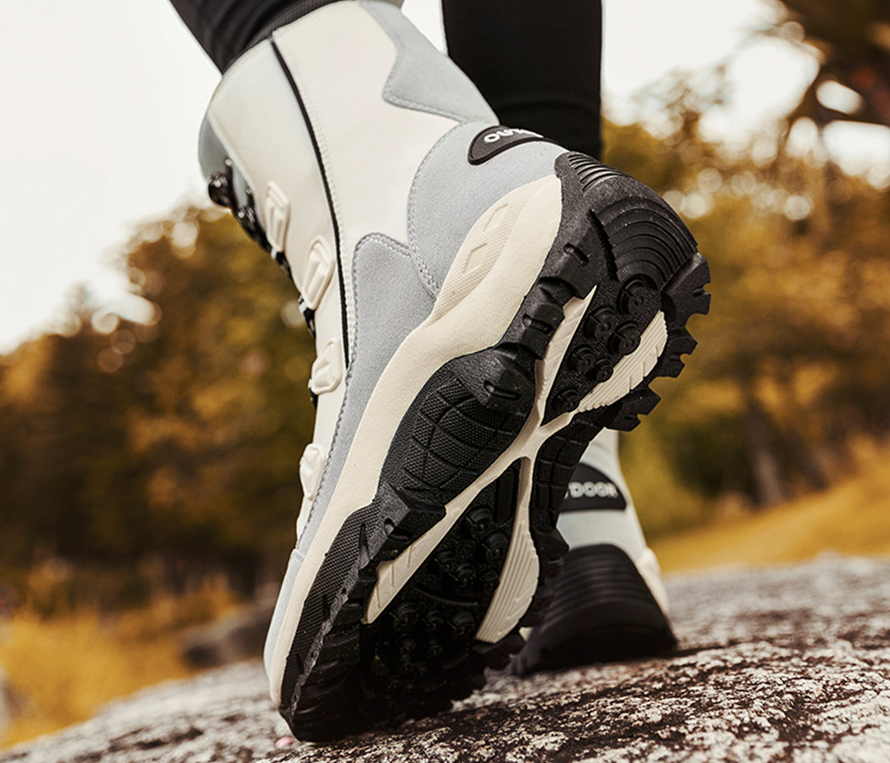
column 536, row 63
column 226, row 28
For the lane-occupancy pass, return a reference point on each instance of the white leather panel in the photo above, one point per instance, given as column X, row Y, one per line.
column 371, row 149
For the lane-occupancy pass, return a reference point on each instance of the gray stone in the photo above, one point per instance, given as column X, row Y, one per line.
column 785, row 664
column 231, row 638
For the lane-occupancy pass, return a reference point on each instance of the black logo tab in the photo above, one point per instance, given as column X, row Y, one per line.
column 591, row 490
column 492, row 140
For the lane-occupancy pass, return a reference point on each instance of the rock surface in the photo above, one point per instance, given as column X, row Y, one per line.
column 786, row 664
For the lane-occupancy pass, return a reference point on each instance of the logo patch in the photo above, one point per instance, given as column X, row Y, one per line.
column 493, row 140
column 591, row 490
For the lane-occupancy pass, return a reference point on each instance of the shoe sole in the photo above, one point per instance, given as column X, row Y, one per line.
column 497, row 435
column 602, row 611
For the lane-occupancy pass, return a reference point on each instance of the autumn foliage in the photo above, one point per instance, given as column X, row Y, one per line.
column 173, row 445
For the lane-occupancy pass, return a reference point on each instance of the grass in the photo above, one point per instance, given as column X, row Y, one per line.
column 61, row 670
column 852, row 517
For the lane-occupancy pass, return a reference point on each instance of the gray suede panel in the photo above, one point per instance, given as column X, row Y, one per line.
column 449, row 194
column 391, row 300
column 422, row 78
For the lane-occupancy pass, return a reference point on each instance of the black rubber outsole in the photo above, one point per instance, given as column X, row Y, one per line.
column 343, row 676
column 602, row 611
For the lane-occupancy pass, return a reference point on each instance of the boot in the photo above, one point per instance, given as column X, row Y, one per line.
column 484, row 302
column 609, row 603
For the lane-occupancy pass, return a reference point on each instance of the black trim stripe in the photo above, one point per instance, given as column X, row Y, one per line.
column 327, row 190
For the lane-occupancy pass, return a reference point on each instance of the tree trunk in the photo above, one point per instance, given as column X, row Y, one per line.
column 765, row 469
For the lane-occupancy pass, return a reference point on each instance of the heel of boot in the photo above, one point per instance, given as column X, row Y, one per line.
column 602, row 610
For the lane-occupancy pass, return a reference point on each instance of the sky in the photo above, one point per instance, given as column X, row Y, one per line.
column 100, row 105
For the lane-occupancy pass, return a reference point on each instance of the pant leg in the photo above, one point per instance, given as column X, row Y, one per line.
column 537, row 62
column 226, row 28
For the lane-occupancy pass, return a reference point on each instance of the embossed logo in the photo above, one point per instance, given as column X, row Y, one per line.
column 493, row 140
column 591, row 490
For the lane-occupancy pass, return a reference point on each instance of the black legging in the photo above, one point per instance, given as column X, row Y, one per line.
column 537, row 62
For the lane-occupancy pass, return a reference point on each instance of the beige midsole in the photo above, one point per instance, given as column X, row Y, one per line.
column 394, row 574
column 519, row 578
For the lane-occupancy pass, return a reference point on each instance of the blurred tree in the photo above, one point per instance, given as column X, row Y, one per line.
column 229, row 411
column 788, row 370
column 179, row 437
column 853, row 41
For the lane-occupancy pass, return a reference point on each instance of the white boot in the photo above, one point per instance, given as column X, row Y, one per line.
column 484, row 302
column 609, row 603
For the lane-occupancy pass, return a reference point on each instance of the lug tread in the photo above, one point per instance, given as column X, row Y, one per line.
column 653, row 265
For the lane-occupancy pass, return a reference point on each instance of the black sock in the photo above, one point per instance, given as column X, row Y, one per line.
column 536, row 62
